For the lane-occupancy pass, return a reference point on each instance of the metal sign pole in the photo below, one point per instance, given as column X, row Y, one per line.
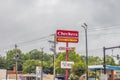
column 66, row 60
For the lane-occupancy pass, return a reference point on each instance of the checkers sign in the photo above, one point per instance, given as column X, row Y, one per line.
column 67, row 36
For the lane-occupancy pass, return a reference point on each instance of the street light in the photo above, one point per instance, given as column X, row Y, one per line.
column 85, row 28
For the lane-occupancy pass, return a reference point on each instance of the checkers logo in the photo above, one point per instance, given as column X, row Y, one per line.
column 67, row 33
column 67, row 36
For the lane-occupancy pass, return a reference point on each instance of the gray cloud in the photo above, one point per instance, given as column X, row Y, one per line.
column 107, row 12
column 24, row 20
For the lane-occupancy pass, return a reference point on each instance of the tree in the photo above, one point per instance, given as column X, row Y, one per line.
column 10, row 59
column 83, row 58
column 35, row 54
column 73, row 77
column 94, row 60
column 2, row 62
column 48, row 59
column 73, row 56
column 29, row 66
column 78, row 69
column 38, row 55
column 109, row 60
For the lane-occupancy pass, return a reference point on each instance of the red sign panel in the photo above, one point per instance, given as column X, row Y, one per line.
column 67, row 33
column 67, row 36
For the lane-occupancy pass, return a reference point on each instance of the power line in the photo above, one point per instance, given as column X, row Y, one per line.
column 105, row 28
column 103, row 34
column 32, row 44
column 91, row 50
column 110, row 27
column 41, row 39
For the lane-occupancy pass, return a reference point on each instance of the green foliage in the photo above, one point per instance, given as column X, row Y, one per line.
column 32, row 55
column 109, row 60
column 38, row 55
column 92, row 74
column 29, row 66
column 2, row 62
column 10, row 59
column 79, row 68
column 73, row 56
column 27, row 56
column 94, row 60
column 83, row 58
column 35, row 54
column 73, row 77
column 48, row 69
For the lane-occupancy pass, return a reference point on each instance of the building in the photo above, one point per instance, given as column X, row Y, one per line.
column 3, row 75
column 11, row 74
column 112, row 72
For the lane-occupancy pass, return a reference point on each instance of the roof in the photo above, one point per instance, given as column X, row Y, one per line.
column 100, row 67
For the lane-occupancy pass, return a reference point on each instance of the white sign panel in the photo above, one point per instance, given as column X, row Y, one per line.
column 2, row 74
column 66, row 48
column 38, row 71
column 103, row 77
column 67, row 64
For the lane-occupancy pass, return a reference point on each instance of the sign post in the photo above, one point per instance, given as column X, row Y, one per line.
column 67, row 36
column 66, row 78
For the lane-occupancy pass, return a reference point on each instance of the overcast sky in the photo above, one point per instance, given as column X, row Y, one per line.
column 26, row 20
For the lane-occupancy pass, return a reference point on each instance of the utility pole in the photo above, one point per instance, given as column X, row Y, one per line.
column 42, row 65
column 85, row 28
column 104, row 54
column 6, row 66
column 104, row 64
column 54, row 50
column 16, row 59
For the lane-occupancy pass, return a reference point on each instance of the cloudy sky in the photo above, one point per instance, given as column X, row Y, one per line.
column 27, row 22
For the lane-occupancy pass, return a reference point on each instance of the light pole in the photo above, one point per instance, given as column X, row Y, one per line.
column 85, row 28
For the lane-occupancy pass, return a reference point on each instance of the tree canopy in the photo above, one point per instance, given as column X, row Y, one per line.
column 28, row 61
